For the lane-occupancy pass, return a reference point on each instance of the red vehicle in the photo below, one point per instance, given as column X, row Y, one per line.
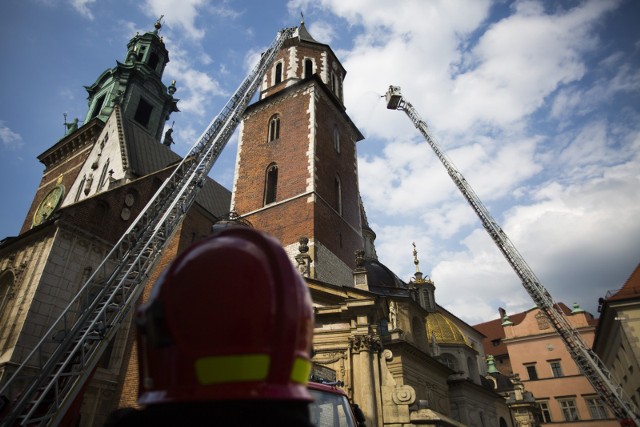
column 331, row 407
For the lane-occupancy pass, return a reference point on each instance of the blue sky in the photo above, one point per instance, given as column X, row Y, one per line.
column 537, row 103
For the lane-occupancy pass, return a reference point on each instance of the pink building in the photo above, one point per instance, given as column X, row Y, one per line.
column 537, row 354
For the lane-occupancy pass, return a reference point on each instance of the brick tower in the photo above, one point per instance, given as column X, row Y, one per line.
column 296, row 168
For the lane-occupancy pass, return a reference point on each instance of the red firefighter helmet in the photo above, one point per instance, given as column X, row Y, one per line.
column 230, row 318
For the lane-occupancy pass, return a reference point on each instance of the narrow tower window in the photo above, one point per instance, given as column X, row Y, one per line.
column 336, row 139
column 153, row 60
column 278, row 76
column 80, row 187
column 308, row 68
column 143, row 113
column 338, row 195
column 274, row 128
column 103, row 175
column 271, row 184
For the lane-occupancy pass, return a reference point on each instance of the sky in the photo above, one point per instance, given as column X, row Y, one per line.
column 537, row 103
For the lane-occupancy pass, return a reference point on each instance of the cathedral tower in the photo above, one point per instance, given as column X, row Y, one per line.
column 136, row 85
column 296, row 169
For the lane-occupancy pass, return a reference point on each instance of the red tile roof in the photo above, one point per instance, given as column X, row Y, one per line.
column 631, row 288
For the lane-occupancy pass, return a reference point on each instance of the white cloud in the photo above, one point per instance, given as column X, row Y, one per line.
column 178, row 13
column 322, row 31
column 9, row 138
column 195, row 87
column 82, row 6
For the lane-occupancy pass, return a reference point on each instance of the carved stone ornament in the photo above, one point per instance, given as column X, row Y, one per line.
column 303, row 244
column 328, row 358
column 403, row 395
column 365, row 343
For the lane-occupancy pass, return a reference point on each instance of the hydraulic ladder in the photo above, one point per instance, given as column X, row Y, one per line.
column 46, row 383
column 588, row 362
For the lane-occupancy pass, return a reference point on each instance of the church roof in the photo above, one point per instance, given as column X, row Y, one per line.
column 444, row 330
column 383, row 281
column 146, row 155
column 303, row 34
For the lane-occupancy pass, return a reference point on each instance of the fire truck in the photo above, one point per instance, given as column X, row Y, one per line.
column 331, row 406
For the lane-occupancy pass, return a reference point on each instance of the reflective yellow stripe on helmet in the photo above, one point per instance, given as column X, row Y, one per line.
column 239, row 368
column 300, row 371
column 226, row 369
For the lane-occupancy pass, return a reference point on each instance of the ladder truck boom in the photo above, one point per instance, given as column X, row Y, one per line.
column 589, row 363
column 51, row 376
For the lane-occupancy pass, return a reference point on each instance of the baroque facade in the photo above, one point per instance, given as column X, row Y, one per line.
column 403, row 358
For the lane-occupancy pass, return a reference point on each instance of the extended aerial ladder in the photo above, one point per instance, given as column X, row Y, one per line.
column 589, row 363
column 46, row 383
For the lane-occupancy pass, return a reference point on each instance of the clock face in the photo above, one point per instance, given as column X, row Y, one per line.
column 48, row 205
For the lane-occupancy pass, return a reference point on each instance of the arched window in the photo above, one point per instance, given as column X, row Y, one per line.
column 278, row 76
column 336, row 139
column 338, row 195
column 6, row 283
column 271, row 184
column 308, row 68
column 274, row 128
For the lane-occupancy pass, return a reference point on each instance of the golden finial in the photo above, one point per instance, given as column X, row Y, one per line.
column 59, row 180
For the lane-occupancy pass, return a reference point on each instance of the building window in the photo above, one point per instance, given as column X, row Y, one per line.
column 103, row 175
column 274, row 128
column 496, row 342
column 271, row 184
column 6, row 283
column 569, row 410
column 545, row 413
column 278, row 76
column 308, row 68
column 80, row 187
column 556, row 369
column 338, row 195
column 143, row 113
column 532, row 372
column 336, row 139
column 98, row 106
column 153, row 60
column 596, row 408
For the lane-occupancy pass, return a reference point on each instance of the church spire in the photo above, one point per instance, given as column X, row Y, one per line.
column 424, row 288
column 128, row 85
